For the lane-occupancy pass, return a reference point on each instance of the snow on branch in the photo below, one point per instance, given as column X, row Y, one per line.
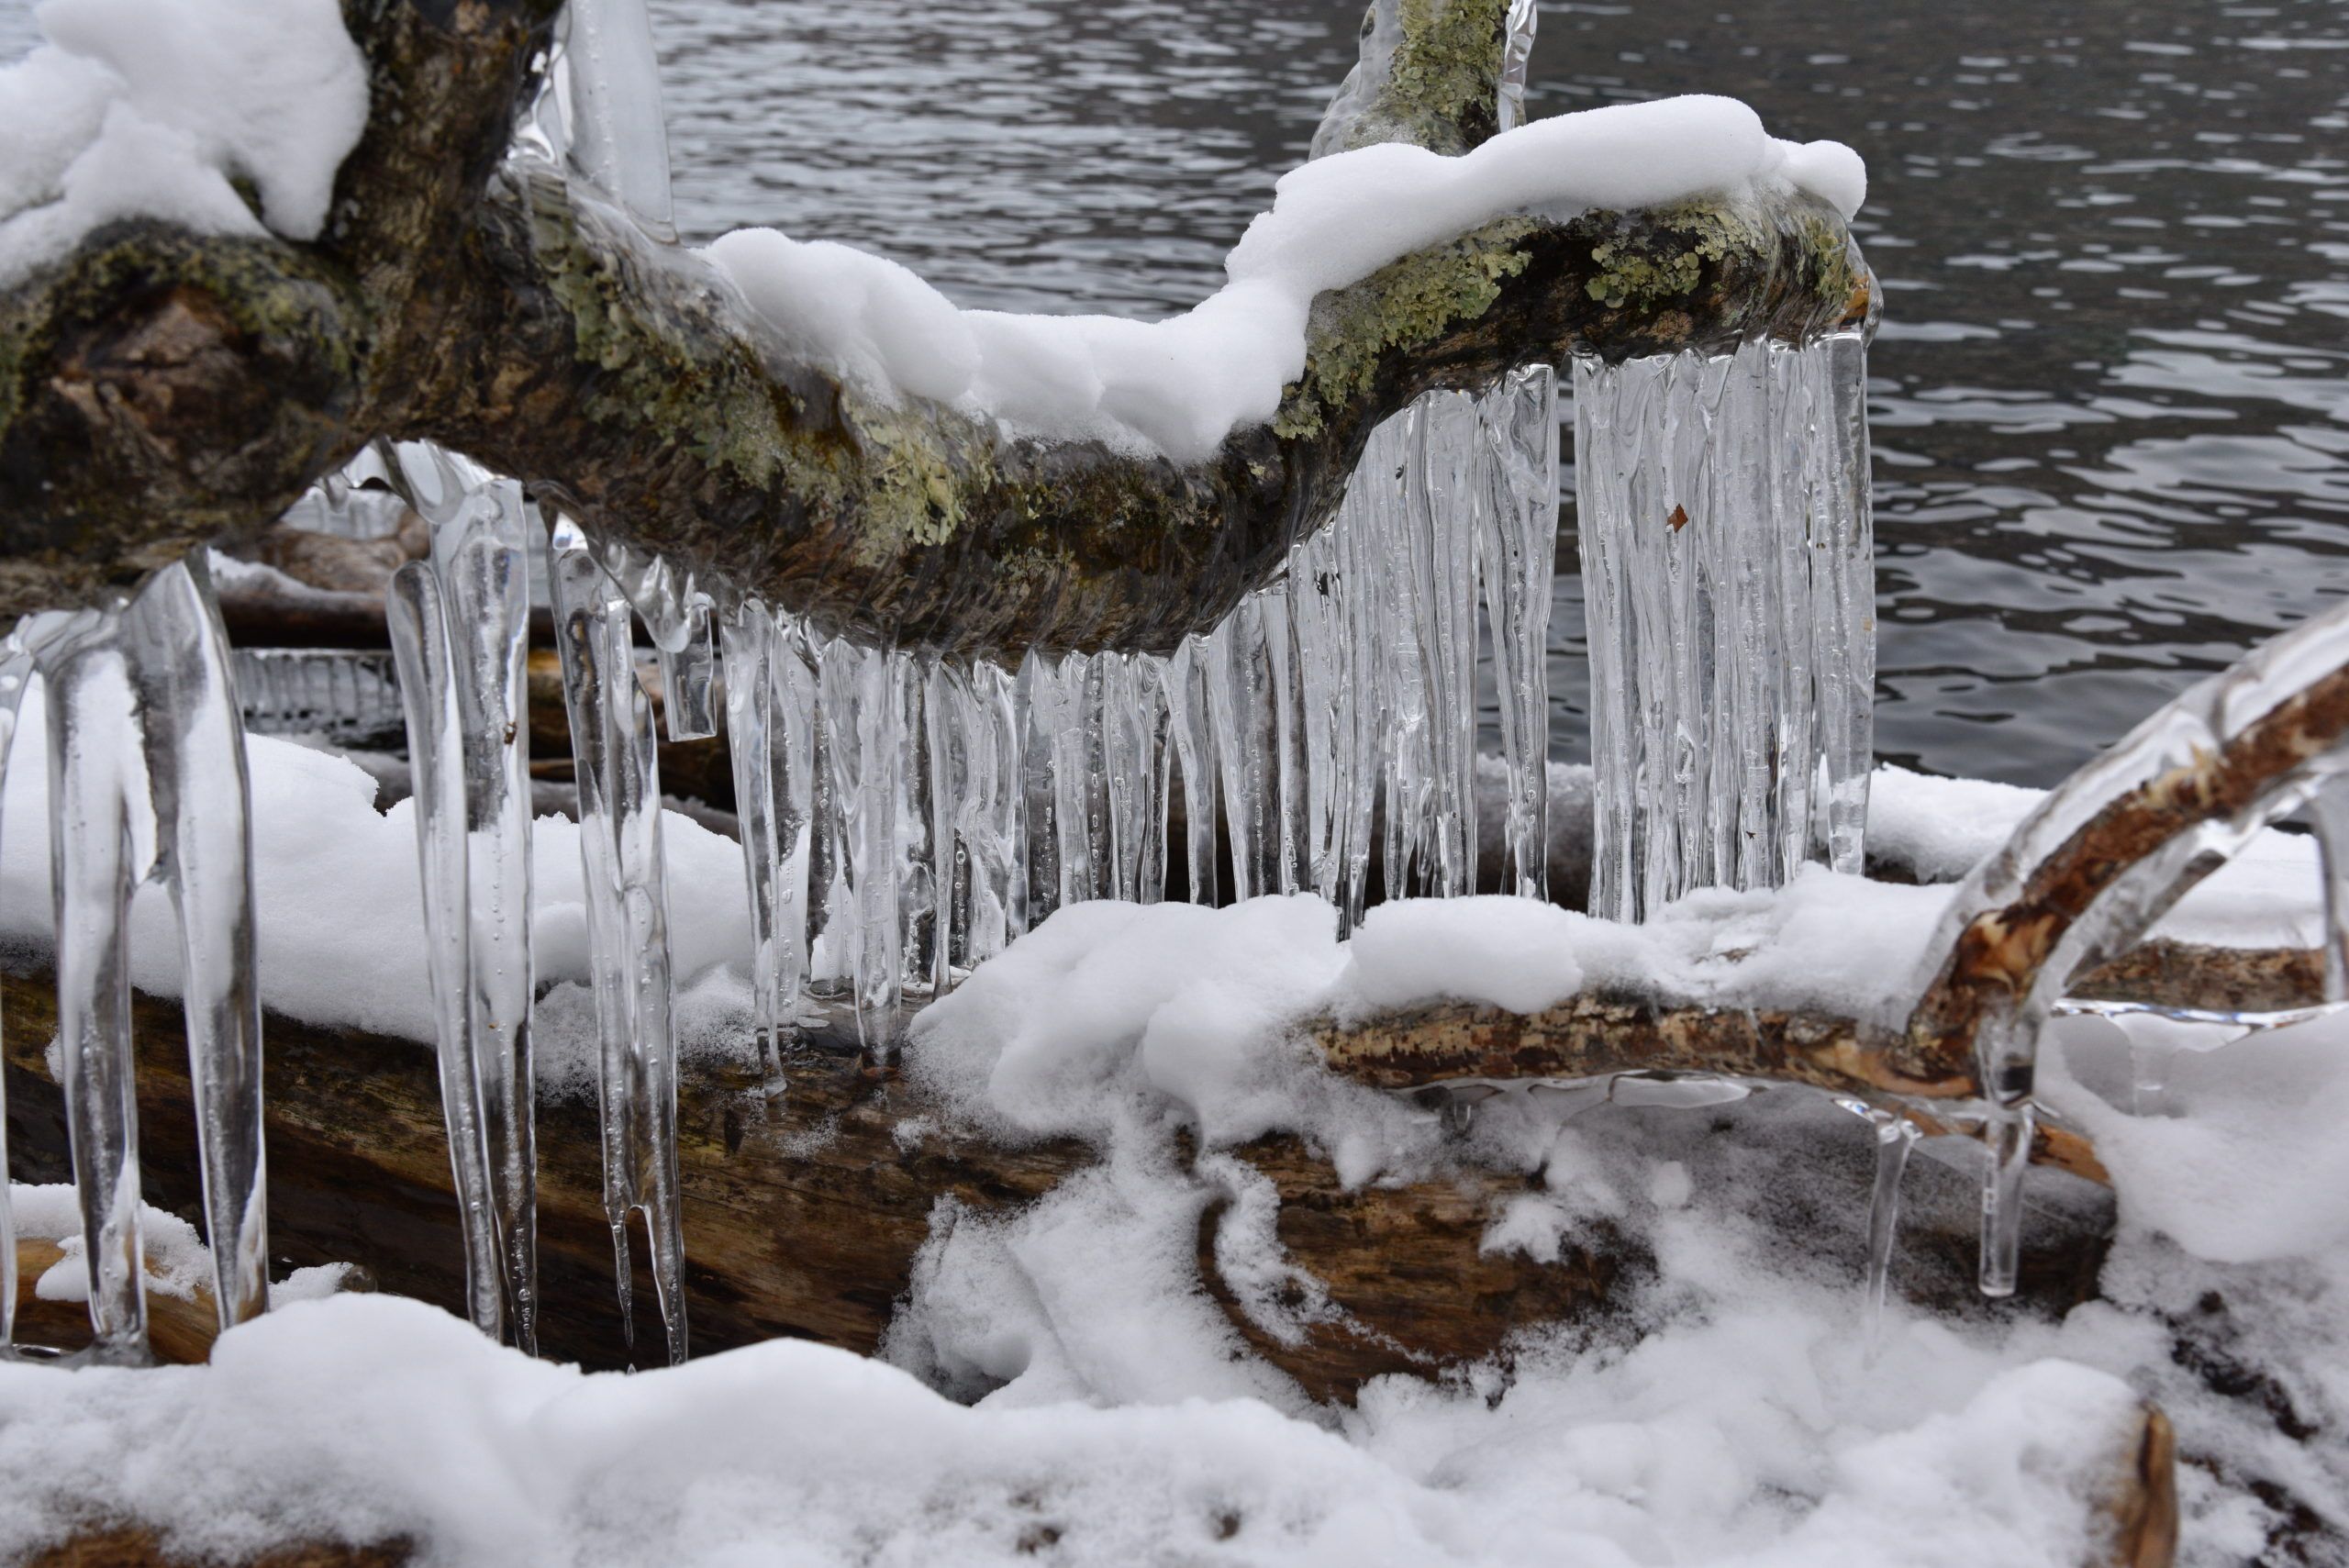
column 818, row 426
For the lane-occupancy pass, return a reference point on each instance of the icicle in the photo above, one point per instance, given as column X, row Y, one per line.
column 1191, row 740
column 1729, row 588
column 1064, row 704
column 101, row 841
column 615, row 136
column 865, row 717
column 417, row 618
column 922, row 863
column 1516, row 538
column 2007, row 1135
column 831, row 912
column 479, row 883
column 1440, row 531
column 952, row 751
column 995, row 829
column 1133, row 738
column 16, row 670
column 1317, row 598
column 1843, row 556
column 628, row 920
column 1895, row 1135
column 195, row 744
column 1244, row 707
column 747, row 636
column 2329, row 811
column 770, row 718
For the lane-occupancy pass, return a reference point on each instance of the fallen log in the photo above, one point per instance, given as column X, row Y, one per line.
column 804, row 1212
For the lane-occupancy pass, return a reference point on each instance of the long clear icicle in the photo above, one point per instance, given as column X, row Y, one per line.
column 15, row 671
column 1895, row 1135
column 417, row 617
column 1516, row 550
column 203, row 802
column 101, row 840
column 476, row 864
column 628, row 921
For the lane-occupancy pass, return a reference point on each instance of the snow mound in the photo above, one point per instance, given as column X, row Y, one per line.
column 158, row 108
column 1177, row 387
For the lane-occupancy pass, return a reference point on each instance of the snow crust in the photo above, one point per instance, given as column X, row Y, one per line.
column 1178, row 386
column 157, row 107
column 792, row 1453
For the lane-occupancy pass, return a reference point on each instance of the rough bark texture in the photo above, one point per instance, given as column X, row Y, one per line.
column 159, row 388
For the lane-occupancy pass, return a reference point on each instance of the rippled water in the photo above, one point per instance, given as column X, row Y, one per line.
column 2111, row 393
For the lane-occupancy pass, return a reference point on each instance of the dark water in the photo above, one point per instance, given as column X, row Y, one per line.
column 2112, row 394
column 2110, row 397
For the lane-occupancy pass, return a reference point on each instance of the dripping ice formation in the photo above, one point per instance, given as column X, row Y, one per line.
column 905, row 819
column 148, row 780
column 1728, row 566
column 622, row 875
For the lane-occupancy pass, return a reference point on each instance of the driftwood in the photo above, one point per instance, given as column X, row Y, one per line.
column 803, row 1214
column 159, row 388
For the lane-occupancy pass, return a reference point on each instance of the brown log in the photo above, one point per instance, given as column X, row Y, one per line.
column 180, row 1328
column 803, row 1214
column 136, row 1547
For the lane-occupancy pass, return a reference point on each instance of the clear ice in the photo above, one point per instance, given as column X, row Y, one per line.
column 627, row 892
column 2177, row 742
column 148, row 783
column 460, row 624
column 1728, row 579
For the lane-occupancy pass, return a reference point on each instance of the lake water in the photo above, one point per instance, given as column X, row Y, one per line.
column 2110, row 397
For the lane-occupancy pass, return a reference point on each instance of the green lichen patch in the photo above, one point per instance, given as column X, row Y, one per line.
column 668, row 361
column 1403, row 305
column 1444, row 78
column 1666, row 256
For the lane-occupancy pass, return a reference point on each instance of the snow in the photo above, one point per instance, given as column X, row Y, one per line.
column 1938, row 829
column 178, row 1263
column 1056, row 1383
column 156, row 107
column 339, row 920
column 1177, row 387
column 788, row 1453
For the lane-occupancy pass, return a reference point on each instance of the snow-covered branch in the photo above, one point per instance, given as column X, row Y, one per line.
column 818, row 426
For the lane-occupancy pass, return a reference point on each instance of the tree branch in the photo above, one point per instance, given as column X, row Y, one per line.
column 158, row 388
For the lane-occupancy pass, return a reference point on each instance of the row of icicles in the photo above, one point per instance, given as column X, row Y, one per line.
column 903, row 817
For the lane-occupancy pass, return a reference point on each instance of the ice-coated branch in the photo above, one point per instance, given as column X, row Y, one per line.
column 159, row 387
column 2106, row 855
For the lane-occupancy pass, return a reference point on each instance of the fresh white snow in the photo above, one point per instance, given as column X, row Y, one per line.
column 156, row 107
column 1725, row 1412
column 1180, row 386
